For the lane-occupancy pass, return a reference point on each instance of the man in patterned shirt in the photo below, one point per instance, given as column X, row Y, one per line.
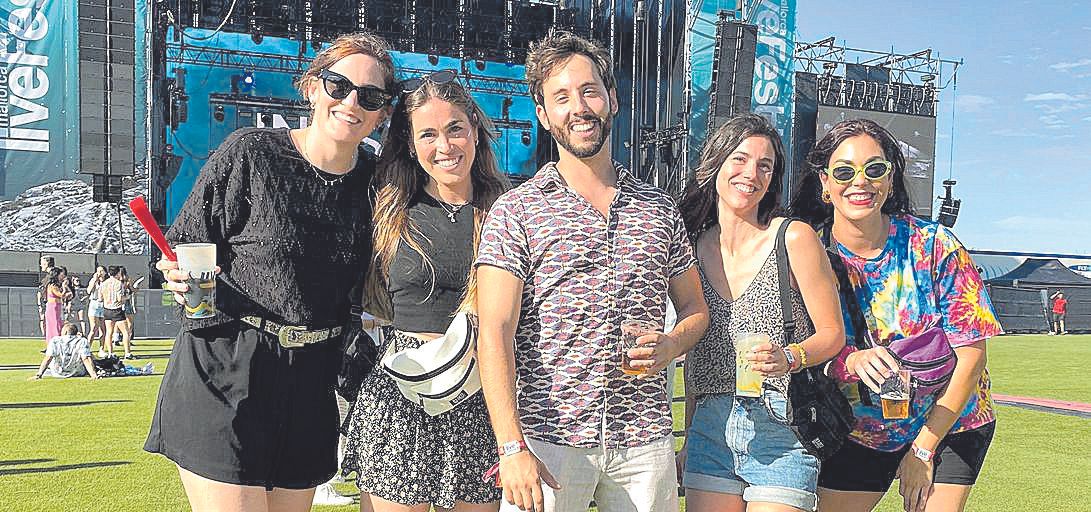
column 563, row 260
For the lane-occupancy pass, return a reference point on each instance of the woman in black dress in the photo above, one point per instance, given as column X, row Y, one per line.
column 246, row 409
column 437, row 179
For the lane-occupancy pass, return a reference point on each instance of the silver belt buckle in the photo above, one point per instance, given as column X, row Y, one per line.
column 289, row 335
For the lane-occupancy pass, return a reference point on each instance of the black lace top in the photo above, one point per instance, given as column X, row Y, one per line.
column 425, row 298
column 291, row 247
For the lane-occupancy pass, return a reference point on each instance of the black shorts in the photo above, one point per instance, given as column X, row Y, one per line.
column 236, row 407
column 857, row 468
column 115, row 315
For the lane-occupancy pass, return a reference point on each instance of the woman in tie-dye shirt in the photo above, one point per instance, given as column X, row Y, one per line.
column 908, row 275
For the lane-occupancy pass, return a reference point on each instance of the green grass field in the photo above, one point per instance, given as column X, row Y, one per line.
column 76, row 444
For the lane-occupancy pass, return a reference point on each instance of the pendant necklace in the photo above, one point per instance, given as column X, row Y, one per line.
column 318, row 172
column 451, row 209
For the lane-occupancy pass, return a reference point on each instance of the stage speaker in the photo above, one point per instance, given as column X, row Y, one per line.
column 804, row 127
column 107, row 53
column 106, row 189
column 732, row 71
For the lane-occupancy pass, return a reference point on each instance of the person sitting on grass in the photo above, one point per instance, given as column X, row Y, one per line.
column 67, row 355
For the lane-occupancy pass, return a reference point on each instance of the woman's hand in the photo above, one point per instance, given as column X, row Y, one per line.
column 768, row 360
column 176, row 279
column 914, row 482
column 680, row 461
column 873, row 366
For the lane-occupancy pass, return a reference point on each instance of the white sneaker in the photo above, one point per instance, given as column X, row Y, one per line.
column 325, row 494
column 101, row 353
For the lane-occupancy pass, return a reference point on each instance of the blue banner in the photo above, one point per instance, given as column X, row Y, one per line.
column 772, row 96
column 39, row 121
column 773, row 62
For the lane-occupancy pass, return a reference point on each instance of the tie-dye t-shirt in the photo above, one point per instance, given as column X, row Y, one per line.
column 923, row 277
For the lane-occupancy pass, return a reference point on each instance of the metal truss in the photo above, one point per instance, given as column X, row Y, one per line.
column 238, row 59
column 924, row 68
column 479, row 83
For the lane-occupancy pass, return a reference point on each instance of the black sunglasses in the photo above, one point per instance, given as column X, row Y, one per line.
column 339, row 87
column 442, row 76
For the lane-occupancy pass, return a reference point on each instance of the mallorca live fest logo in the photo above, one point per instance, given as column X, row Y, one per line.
column 773, row 72
column 24, row 81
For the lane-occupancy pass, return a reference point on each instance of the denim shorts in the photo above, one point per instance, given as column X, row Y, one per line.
column 735, row 446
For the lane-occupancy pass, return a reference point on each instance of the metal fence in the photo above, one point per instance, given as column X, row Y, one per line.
column 156, row 313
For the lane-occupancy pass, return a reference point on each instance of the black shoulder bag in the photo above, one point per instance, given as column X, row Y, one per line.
column 818, row 413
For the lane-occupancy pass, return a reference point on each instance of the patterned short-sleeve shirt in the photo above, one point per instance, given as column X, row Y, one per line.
column 583, row 274
column 924, row 277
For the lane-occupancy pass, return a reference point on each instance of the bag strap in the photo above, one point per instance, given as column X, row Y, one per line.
column 787, row 318
column 860, row 330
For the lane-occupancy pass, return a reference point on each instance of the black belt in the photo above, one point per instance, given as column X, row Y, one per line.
column 292, row 336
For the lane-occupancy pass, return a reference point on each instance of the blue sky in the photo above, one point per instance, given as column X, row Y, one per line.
column 1022, row 119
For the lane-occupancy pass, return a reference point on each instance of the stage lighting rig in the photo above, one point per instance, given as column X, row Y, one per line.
column 949, row 206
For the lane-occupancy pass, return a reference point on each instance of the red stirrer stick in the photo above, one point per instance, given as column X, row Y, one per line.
column 140, row 209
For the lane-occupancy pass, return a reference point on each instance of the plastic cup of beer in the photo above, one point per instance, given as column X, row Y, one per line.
column 894, row 395
column 747, row 380
column 631, row 329
column 199, row 261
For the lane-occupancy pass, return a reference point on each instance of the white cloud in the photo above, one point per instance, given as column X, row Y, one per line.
column 1088, row 119
column 973, row 102
column 1049, row 108
column 1065, row 66
column 1054, row 96
column 1052, row 121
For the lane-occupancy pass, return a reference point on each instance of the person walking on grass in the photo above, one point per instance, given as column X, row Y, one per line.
column 115, row 293
column 1058, row 310
column 95, row 309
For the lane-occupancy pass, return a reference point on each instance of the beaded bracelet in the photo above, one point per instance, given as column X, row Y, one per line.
column 802, row 354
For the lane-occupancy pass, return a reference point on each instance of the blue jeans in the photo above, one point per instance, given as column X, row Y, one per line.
column 735, row 446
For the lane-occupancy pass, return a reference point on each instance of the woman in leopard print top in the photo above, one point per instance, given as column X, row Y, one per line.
column 739, row 449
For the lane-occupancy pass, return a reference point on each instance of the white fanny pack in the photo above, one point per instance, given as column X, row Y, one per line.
column 440, row 374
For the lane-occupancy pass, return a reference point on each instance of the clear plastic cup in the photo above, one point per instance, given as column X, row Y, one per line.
column 631, row 329
column 747, row 380
column 894, row 395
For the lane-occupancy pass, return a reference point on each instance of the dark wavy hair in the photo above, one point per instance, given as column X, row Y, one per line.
column 807, row 203
column 698, row 203
column 52, row 278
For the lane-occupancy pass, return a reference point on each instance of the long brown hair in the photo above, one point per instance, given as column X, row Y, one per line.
column 400, row 178
column 698, row 203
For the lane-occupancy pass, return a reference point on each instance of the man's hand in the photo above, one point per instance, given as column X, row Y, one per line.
column 654, row 351
column 521, row 476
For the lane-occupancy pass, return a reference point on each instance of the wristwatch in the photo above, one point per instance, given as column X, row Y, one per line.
column 512, row 447
column 923, row 453
column 791, row 358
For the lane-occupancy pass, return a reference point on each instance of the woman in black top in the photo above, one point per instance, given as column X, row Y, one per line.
column 438, row 177
column 246, row 409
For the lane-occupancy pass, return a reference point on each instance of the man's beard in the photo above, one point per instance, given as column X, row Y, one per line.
column 591, row 148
